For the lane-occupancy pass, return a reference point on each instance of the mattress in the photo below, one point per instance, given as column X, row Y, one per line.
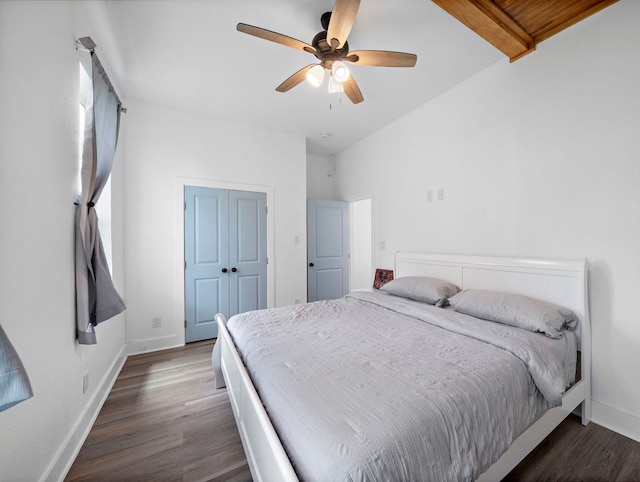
column 377, row 387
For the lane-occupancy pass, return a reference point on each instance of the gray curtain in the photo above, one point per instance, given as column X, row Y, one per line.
column 14, row 382
column 96, row 298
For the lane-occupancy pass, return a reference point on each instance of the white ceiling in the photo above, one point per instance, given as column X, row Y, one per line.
column 187, row 54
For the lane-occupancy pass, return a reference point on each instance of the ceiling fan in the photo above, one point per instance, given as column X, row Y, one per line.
column 330, row 47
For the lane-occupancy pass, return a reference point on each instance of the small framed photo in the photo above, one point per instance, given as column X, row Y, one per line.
column 382, row 277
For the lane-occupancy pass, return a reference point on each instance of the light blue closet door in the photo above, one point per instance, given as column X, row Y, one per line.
column 206, row 257
column 225, row 241
column 247, row 251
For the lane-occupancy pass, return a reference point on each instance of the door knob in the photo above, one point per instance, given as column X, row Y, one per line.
column 224, row 270
column 233, row 270
column 311, row 264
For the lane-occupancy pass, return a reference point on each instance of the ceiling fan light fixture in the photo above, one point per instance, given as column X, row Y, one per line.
column 335, row 87
column 315, row 75
column 339, row 71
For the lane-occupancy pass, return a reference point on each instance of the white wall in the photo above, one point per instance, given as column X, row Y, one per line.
column 38, row 169
column 167, row 148
column 537, row 158
column 319, row 177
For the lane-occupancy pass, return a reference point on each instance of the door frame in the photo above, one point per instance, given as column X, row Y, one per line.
column 179, row 200
column 353, row 251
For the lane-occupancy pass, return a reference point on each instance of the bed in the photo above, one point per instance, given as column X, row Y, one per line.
column 472, row 439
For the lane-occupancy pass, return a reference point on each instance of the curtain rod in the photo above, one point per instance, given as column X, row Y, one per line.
column 89, row 45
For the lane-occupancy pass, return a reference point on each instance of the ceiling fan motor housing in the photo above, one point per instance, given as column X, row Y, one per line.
column 325, row 53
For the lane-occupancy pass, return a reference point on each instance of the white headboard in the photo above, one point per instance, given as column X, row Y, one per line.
column 563, row 282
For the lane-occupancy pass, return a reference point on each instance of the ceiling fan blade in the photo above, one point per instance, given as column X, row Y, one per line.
column 275, row 37
column 295, row 79
column 352, row 90
column 382, row 58
column 342, row 18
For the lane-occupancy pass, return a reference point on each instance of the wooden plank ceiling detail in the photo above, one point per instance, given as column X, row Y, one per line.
column 515, row 27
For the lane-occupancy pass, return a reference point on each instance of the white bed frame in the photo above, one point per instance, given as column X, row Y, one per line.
column 563, row 282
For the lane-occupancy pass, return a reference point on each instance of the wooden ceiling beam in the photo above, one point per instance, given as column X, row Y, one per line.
column 515, row 27
column 490, row 22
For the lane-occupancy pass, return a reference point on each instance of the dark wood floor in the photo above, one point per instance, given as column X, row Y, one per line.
column 164, row 420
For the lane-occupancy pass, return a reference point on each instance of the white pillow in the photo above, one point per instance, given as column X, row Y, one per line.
column 428, row 290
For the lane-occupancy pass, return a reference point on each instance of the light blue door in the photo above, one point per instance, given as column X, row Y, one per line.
column 225, row 257
column 327, row 249
column 206, row 257
column 247, row 251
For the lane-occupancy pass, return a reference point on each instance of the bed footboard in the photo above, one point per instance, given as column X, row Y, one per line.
column 266, row 458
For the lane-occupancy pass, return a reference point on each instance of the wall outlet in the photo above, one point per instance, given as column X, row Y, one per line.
column 440, row 194
column 156, row 322
column 85, row 383
column 429, row 196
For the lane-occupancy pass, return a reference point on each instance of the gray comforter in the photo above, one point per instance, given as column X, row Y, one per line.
column 376, row 387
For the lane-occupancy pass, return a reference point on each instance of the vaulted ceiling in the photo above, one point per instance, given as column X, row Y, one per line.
column 187, row 54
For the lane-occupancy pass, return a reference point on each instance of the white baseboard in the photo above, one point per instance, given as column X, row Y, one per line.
column 153, row 344
column 622, row 422
column 68, row 452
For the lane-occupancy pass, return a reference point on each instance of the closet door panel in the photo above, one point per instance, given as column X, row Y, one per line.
column 247, row 251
